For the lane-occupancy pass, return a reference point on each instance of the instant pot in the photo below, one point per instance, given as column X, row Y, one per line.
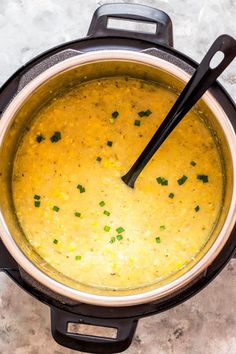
column 108, row 51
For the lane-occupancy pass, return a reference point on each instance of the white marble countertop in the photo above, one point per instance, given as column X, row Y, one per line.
column 205, row 324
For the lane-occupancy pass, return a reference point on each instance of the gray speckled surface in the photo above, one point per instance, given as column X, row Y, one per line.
column 206, row 324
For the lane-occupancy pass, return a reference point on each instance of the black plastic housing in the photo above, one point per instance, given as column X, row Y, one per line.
column 125, row 319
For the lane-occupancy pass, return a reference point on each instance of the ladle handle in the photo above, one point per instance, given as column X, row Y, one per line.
column 204, row 75
column 201, row 80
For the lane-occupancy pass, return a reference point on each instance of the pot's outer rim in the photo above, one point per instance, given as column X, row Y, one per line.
column 99, row 43
column 164, row 290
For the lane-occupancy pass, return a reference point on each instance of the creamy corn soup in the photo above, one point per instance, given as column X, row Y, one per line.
column 79, row 215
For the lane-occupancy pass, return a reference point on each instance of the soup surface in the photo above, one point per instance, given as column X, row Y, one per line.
column 79, row 215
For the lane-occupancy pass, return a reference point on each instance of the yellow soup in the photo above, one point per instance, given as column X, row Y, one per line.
column 79, row 215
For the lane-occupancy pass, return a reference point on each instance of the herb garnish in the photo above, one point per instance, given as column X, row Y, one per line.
column 37, row 197
column 137, row 122
column 55, row 241
column 162, row 227
column 171, row 195
column 197, row 208
column 112, row 240
column 107, row 228
column 107, row 213
column 81, row 188
column 99, row 159
column 77, row 258
column 182, row 180
column 145, row 113
column 102, row 203
column 162, row 181
column 119, row 237
column 119, row 230
column 39, row 138
column 37, row 203
column 115, row 114
column 55, row 137
column 56, row 208
column 77, row 214
column 193, row 163
column 203, row 178
column 109, row 143
column 158, row 239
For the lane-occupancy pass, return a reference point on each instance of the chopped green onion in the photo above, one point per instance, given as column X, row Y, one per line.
column 99, row 158
column 193, row 163
column 119, row 237
column 109, row 143
column 119, row 230
column 112, row 240
column 197, row 208
column 37, row 203
column 162, row 181
column 102, row 203
column 158, row 239
column 81, row 188
column 55, row 208
column 39, row 138
column 171, row 195
column 55, row 241
column 141, row 114
column 77, row 214
column 106, row 212
column 115, row 114
column 145, row 113
column 55, row 137
column 182, row 180
column 77, row 258
column 203, row 178
column 107, row 228
column 37, row 197
column 137, row 122
column 162, row 227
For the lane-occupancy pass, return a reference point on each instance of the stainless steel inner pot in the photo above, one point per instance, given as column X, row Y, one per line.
column 82, row 68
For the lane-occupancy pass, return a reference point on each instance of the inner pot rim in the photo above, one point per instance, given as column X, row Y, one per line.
column 185, row 278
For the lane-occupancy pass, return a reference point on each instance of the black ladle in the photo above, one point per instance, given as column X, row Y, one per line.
column 202, row 79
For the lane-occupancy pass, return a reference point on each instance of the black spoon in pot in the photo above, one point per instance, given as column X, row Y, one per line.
column 203, row 77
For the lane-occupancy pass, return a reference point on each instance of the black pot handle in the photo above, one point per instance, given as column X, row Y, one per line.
column 133, row 12
column 91, row 343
